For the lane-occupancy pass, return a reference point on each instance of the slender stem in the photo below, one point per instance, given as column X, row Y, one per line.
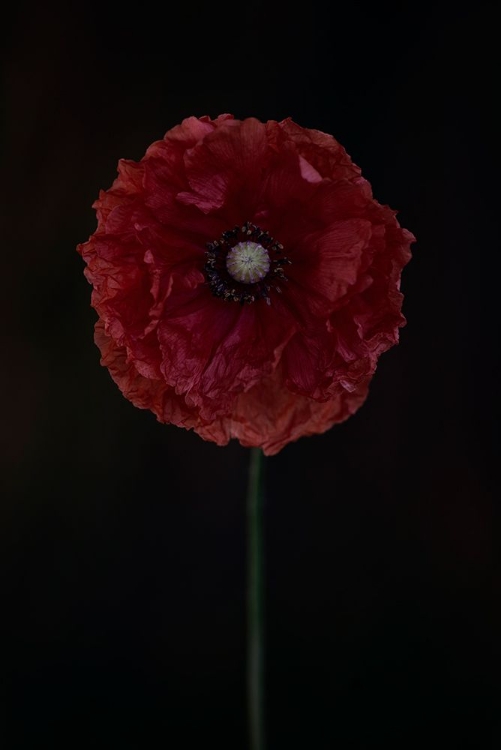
column 255, row 569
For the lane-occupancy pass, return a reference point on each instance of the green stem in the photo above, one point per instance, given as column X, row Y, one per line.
column 255, row 568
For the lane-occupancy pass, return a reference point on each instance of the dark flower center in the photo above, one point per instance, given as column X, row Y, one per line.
column 245, row 264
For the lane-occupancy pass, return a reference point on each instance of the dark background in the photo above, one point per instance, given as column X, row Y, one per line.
column 123, row 540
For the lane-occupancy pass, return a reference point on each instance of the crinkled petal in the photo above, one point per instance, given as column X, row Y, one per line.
column 263, row 374
column 144, row 392
column 213, row 350
column 270, row 416
column 328, row 263
column 226, row 168
column 321, row 150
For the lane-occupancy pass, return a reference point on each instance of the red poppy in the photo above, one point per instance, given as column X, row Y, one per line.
column 245, row 280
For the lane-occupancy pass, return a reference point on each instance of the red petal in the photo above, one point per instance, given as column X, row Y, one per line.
column 213, row 349
column 145, row 393
column 327, row 264
column 226, row 167
column 321, row 150
column 270, row 416
column 315, row 366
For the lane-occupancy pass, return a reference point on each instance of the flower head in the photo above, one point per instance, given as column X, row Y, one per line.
column 245, row 279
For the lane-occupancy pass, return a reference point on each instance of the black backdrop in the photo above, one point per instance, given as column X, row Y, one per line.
column 123, row 540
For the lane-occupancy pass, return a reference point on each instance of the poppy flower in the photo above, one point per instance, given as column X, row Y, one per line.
column 245, row 279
